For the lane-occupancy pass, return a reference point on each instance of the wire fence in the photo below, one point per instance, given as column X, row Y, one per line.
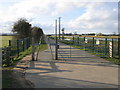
column 13, row 49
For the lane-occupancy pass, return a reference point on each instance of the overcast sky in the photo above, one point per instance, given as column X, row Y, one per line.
column 76, row 16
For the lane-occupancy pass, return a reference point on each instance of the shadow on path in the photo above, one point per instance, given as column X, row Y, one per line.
column 47, row 81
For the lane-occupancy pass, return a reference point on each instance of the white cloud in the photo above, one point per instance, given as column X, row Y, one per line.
column 43, row 13
column 96, row 18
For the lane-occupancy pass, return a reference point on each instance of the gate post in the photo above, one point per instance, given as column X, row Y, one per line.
column 56, row 46
column 84, row 44
column 105, row 46
column 33, row 48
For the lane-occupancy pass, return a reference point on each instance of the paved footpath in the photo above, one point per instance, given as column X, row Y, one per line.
column 77, row 69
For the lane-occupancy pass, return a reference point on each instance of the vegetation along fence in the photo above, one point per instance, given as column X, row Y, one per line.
column 14, row 49
column 103, row 47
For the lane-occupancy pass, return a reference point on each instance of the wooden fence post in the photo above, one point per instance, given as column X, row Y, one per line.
column 10, row 48
column 9, row 42
column 18, row 47
column 7, row 56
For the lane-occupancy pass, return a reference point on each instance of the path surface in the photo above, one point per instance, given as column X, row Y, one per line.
column 78, row 69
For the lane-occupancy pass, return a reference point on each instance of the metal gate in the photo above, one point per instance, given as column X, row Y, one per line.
column 68, row 52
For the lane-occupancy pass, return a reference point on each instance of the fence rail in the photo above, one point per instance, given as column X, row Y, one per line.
column 104, row 47
column 14, row 49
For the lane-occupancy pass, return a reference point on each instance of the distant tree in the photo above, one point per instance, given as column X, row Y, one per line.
column 100, row 34
column 91, row 34
column 68, row 34
column 114, row 33
column 75, row 33
column 37, row 32
column 22, row 28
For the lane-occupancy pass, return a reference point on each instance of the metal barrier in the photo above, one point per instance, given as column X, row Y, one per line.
column 99, row 46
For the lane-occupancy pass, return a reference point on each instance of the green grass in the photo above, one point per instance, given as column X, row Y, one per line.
column 91, row 36
column 5, row 40
column 29, row 51
column 100, row 36
column 6, row 37
column 24, row 53
column 113, row 60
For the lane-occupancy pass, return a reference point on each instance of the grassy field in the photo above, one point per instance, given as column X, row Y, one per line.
column 100, row 36
column 5, row 40
column 91, row 36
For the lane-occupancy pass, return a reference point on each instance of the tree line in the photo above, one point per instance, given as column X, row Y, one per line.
column 22, row 28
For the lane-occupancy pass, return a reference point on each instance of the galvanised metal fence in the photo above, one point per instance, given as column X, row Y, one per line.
column 103, row 47
column 14, row 49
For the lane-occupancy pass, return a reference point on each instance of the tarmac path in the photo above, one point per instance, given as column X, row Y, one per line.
column 75, row 69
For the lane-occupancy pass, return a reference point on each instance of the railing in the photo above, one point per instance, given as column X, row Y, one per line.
column 14, row 49
column 103, row 47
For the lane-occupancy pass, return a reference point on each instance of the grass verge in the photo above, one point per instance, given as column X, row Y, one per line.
column 29, row 51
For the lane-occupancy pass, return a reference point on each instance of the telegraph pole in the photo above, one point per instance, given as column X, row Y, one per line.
column 59, row 27
column 119, row 31
column 56, row 50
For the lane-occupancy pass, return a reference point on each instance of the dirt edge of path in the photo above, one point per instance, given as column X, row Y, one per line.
column 17, row 75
